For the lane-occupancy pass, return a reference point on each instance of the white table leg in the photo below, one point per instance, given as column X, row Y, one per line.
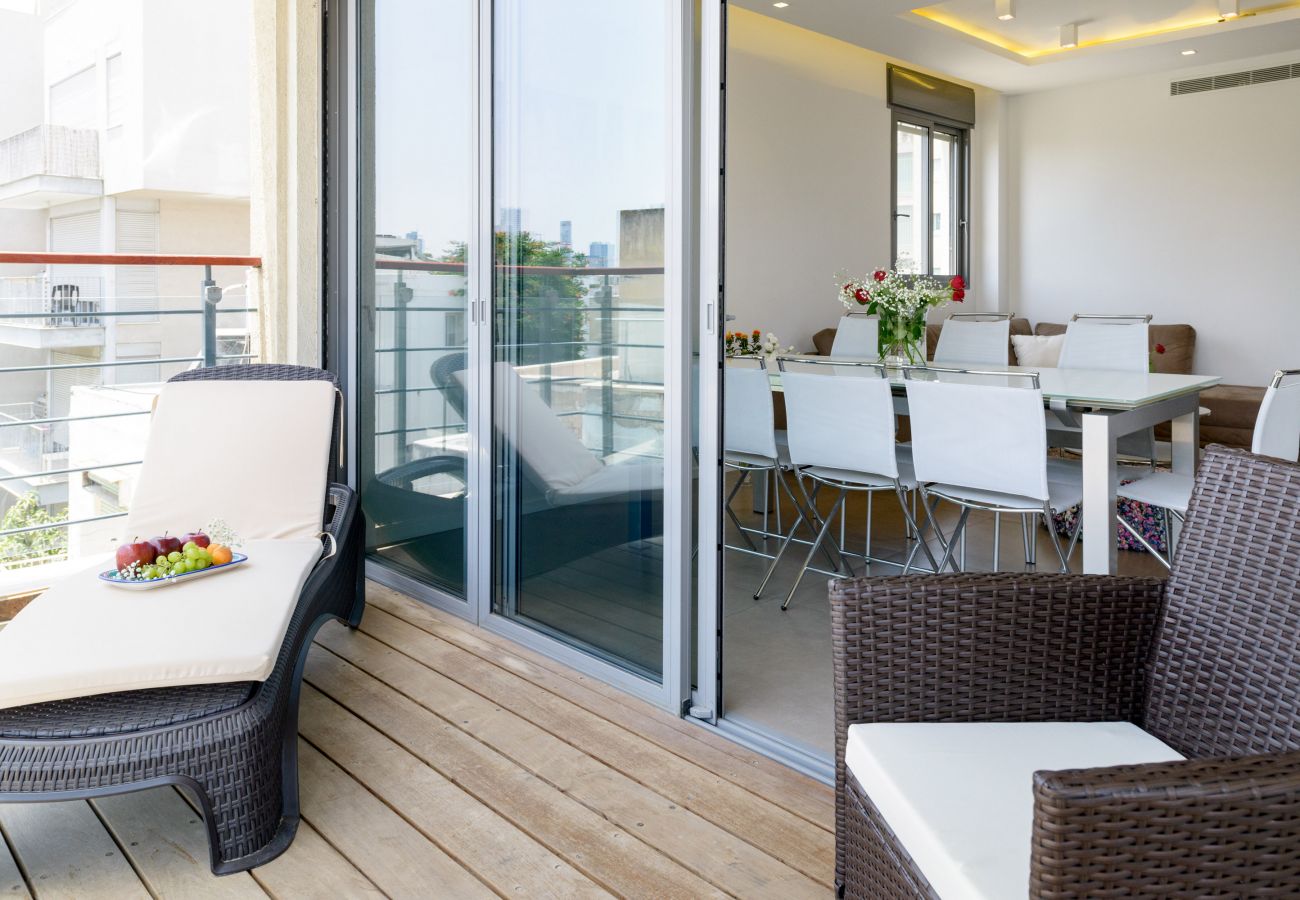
column 1185, row 438
column 1099, row 486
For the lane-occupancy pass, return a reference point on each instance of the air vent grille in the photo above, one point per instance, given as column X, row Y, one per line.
column 1234, row 79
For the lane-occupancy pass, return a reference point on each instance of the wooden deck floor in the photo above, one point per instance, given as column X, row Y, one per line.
column 438, row 760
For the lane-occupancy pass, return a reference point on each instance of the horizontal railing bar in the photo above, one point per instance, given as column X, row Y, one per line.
column 127, row 259
column 393, row 431
column 110, row 365
column 53, row 525
column 55, row 421
column 414, row 265
column 72, row 471
column 98, row 314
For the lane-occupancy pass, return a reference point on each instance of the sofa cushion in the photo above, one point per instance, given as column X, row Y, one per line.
column 1178, row 341
column 252, row 453
column 1038, row 351
column 959, row 797
column 84, row 637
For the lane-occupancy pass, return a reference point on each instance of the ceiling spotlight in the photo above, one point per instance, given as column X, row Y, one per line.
column 1189, row 53
column 1006, row 9
column 1069, row 36
column 1229, row 9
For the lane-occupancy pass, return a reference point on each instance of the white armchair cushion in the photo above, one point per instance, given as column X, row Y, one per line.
column 959, row 797
column 252, row 453
column 84, row 636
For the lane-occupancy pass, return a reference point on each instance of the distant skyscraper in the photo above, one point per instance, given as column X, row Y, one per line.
column 419, row 242
column 600, row 255
column 566, row 232
column 510, row 220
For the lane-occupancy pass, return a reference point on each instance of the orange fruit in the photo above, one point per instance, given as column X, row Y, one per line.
column 220, row 554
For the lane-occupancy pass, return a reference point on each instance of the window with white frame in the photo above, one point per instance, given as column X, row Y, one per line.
column 930, row 208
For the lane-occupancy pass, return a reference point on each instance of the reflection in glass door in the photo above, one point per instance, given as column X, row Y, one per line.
column 581, row 175
column 417, row 121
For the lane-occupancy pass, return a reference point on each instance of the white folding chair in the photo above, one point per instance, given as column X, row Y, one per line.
column 1117, row 343
column 841, row 428
column 1113, row 343
column 984, row 446
column 857, row 336
column 1277, row 433
column 751, row 443
column 976, row 339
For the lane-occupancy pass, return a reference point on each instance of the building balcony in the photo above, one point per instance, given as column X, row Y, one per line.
column 47, row 165
column 41, row 312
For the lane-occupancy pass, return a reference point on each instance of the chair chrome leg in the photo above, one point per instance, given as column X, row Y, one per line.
column 866, row 544
column 1141, row 539
column 731, row 513
column 816, row 520
column 1030, row 531
column 961, row 559
column 1056, row 538
column 812, row 551
column 997, row 540
column 771, row 567
column 910, row 518
column 957, row 533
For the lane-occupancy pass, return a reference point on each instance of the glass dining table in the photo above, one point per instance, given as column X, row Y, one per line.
column 1104, row 406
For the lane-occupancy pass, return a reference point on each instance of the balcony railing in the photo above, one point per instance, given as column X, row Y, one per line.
column 71, row 448
column 50, row 150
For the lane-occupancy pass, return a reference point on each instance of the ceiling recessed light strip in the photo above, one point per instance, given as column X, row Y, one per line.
column 1006, row 9
column 1069, row 36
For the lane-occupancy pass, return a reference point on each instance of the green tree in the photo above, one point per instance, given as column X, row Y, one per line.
column 546, row 310
column 31, row 547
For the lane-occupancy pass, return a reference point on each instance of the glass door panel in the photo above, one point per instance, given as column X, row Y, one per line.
column 580, row 177
column 417, row 175
column 945, row 158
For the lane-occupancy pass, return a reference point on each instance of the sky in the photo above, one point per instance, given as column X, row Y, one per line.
column 581, row 118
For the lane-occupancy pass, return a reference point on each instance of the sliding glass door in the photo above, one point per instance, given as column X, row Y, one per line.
column 416, row 192
column 516, row 333
column 581, row 176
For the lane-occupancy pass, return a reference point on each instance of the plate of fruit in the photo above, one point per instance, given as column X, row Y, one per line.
column 168, row 560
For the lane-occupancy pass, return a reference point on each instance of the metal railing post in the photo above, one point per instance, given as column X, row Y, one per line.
column 403, row 294
column 607, row 366
column 209, row 297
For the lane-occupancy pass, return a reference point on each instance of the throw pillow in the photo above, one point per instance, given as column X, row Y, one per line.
column 1038, row 351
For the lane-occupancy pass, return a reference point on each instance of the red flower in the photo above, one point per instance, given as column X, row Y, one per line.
column 958, row 295
column 958, row 284
column 756, row 333
column 879, row 274
column 1160, row 348
column 862, row 296
column 848, row 286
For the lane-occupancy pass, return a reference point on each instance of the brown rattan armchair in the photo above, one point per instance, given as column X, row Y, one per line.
column 1208, row 662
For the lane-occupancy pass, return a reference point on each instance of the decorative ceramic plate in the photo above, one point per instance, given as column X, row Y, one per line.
column 116, row 580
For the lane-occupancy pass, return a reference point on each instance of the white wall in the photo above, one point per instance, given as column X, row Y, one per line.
column 1130, row 200
column 808, row 176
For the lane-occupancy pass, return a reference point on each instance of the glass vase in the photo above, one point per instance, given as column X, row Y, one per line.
column 902, row 340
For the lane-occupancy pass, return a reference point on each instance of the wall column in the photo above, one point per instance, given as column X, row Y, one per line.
column 285, row 208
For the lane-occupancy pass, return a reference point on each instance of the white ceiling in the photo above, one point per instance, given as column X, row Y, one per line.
column 965, row 39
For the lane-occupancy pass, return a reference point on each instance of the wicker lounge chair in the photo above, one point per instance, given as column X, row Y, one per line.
column 232, row 746
column 1208, row 662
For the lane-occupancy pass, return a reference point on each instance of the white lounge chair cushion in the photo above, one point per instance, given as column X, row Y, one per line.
column 959, row 797
column 84, row 637
column 252, row 453
column 628, row 477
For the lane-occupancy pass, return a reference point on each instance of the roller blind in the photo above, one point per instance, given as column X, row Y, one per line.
column 930, row 96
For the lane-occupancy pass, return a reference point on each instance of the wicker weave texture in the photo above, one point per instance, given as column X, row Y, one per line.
column 1225, row 679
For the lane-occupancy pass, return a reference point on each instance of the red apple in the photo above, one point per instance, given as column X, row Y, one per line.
column 198, row 537
column 166, row 544
column 137, row 554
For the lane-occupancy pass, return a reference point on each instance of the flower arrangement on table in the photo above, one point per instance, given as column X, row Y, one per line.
column 901, row 300
column 753, row 344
